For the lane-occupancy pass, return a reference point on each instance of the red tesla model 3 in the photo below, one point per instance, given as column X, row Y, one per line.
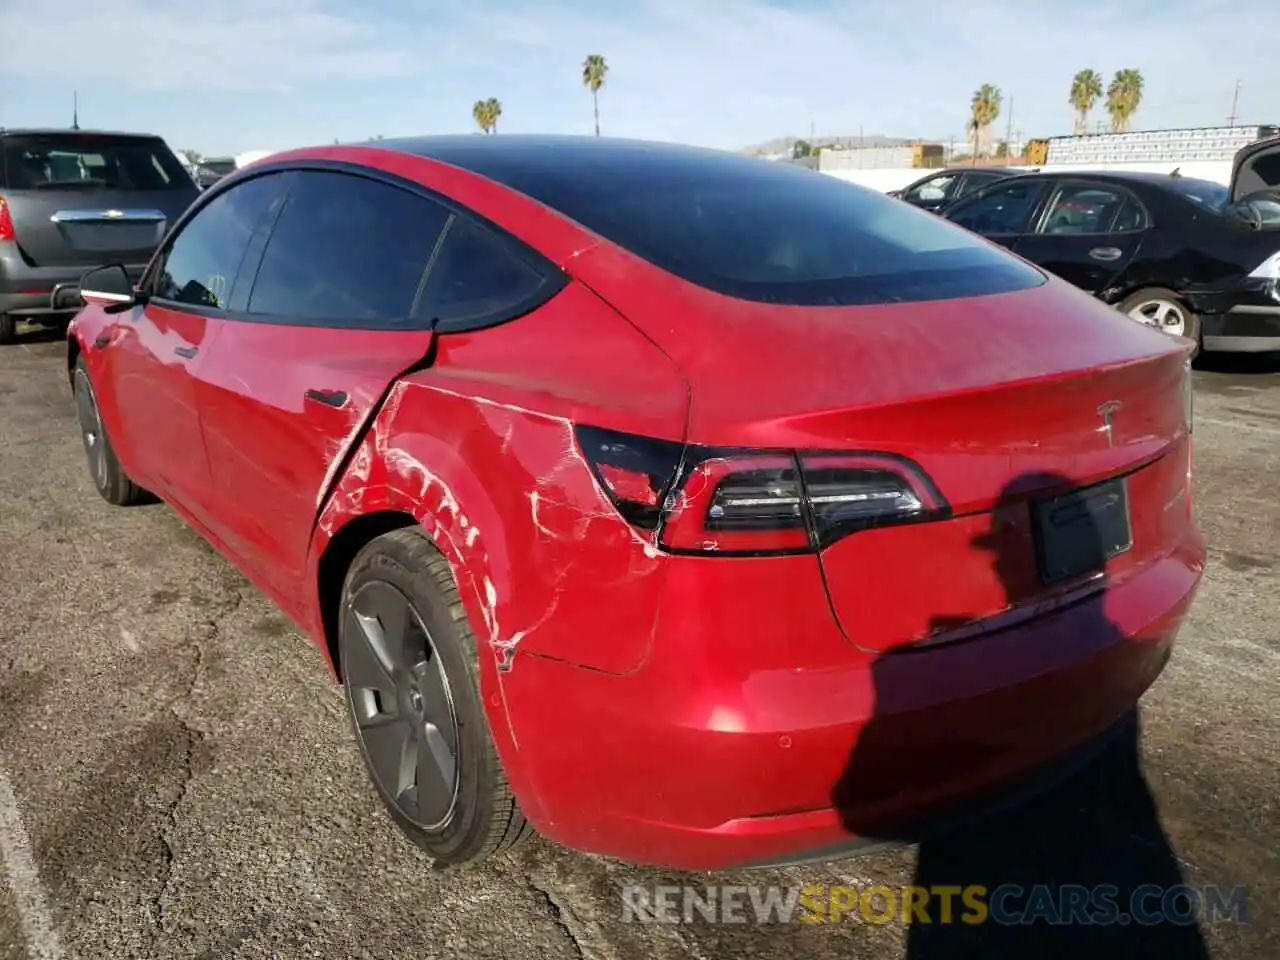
column 641, row 494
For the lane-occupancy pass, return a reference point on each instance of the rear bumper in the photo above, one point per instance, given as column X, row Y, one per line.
column 34, row 291
column 701, row 760
column 1242, row 319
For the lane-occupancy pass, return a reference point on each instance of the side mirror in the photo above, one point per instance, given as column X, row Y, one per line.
column 108, row 287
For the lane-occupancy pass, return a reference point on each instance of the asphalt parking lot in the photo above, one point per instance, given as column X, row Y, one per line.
column 177, row 777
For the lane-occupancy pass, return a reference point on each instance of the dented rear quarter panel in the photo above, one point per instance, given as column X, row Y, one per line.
column 480, row 449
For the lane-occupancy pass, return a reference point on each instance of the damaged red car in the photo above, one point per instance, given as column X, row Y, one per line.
column 681, row 506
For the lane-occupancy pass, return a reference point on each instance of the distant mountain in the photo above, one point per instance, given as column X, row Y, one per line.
column 784, row 144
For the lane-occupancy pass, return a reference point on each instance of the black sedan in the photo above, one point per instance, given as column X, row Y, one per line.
column 1192, row 257
column 942, row 187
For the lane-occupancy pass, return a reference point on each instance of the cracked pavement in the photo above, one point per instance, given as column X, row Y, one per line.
column 186, row 784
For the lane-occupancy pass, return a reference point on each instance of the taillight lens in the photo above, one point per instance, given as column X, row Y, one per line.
column 742, row 502
column 6, row 223
column 635, row 472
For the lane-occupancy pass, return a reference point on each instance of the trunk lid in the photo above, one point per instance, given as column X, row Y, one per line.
column 999, row 399
column 82, row 199
column 1255, row 167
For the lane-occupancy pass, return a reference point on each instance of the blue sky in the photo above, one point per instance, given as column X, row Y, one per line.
column 222, row 76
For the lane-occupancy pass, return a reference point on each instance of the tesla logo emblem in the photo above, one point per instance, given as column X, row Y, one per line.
column 1107, row 411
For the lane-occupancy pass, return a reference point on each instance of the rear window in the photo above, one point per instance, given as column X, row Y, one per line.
column 1204, row 193
column 86, row 161
column 762, row 231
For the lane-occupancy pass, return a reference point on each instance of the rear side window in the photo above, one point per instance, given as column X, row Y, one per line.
column 763, row 231
column 475, row 277
column 347, row 250
column 87, row 161
column 200, row 267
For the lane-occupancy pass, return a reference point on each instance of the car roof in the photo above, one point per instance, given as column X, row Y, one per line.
column 64, row 131
column 497, row 157
column 1122, row 176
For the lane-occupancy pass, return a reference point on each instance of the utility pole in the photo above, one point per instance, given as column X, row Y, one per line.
column 1235, row 102
column 75, row 109
column 1008, row 132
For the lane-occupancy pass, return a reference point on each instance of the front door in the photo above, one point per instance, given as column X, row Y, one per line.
column 160, row 346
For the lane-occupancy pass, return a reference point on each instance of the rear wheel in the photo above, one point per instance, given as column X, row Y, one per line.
column 411, row 669
column 104, row 468
column 8, row 328
column 1165, row 311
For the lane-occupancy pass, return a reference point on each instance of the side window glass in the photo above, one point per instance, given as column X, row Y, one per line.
column 1132, row 217
column 1005, row 210
column 200, row 266
column 1082, row 208
column 347, row 249
column 938, row 188
column 475, row 276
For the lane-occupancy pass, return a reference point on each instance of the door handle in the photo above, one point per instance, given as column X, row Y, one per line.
column 1106, row 253
column 187, row 352
column 330, row 398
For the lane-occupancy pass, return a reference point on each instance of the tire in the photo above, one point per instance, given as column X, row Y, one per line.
column 8, row 328
column 104, row 467
column 400, row 578
column 1153, row 301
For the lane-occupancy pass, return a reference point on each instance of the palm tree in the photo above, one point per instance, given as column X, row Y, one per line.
column 984, row 108
column 1123, row 96
column 593, row 70
column 1086, row 90
column 486, row 114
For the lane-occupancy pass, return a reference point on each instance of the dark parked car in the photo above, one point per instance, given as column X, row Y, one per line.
column 71, row 199
column 619, row 485
column 1191, row 257
column 943, row 187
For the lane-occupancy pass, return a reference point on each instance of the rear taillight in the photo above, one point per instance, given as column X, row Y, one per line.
column 709, row 500
column 6, row 223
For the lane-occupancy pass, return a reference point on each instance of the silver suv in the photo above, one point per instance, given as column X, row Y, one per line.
column 74, row 199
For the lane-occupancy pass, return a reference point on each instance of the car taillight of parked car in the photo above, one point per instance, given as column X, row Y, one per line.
column 7, row 233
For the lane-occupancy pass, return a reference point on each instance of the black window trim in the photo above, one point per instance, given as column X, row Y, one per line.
column 1037, row 209
column 260, row 231
column 552, row 279
column 1089, row 183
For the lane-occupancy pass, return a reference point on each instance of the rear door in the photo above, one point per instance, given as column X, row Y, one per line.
column 81, row 199
column 1087, row 234
column 1002, row 212
column 328, row 326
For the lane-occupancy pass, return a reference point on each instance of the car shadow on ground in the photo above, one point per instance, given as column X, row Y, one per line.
column 1093, row 838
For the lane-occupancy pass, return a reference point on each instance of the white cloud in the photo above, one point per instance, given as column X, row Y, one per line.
column 189, row 45
column 724, row 72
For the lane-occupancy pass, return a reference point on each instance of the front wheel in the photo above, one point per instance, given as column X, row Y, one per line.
column 1165, row 311
column 410, row 665
column 104, row 467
